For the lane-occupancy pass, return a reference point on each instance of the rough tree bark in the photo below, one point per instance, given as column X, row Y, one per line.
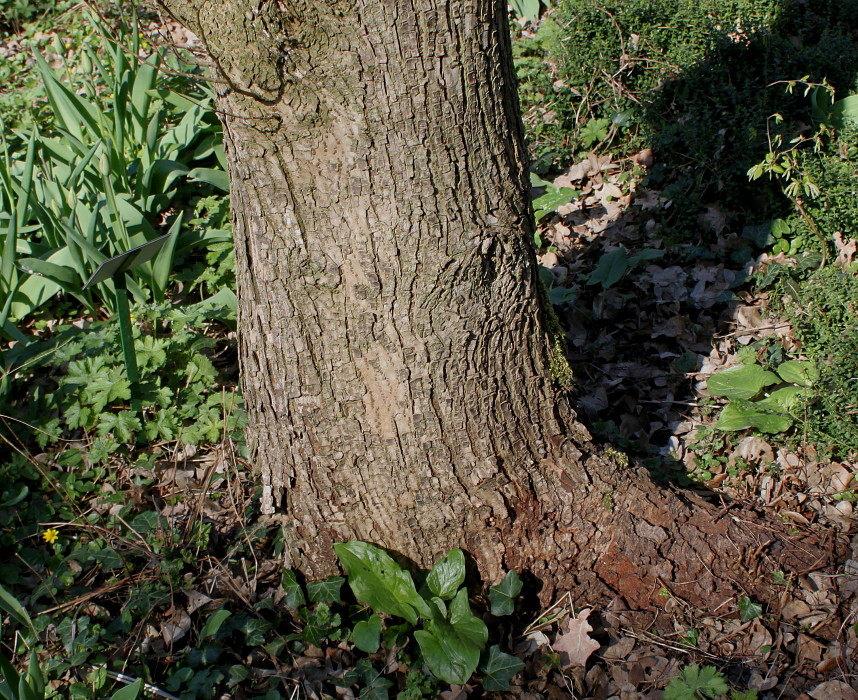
column 401, row 370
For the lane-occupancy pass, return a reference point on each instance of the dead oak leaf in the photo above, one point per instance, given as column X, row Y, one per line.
column 575, row 644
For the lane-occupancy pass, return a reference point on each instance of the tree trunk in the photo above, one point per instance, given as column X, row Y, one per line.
column 402, row 370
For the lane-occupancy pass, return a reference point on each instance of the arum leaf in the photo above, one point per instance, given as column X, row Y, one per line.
column 798, row 372
column 380, row 582
column 738, row 415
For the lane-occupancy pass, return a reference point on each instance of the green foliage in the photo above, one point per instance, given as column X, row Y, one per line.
column 82, row 380
column 613, row 266
column 366, row 634
column 13, row 12
column 502, row 597
column 551, row 200
column 102, row 182
column 32, row 684
column 499, row 669
column 696, row 683
column 822, row 306
column 748, row 610
column 692, row 80
column 527, row 10
column 773, row 413
column 451, row 637
column 377, row 580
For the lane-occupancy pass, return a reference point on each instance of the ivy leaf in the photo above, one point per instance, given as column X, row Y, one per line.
column 502, row 596
column 447, row 575
column 327, row 591
column 741, row 382
column 749, row 610
column 294, row 593
column 696, row 682
column 108, row 558
column 366, row 634
column 376, row 690
column 499, row 669
column 380, row 582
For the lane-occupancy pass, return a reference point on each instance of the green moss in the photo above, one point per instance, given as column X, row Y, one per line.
column 561, row 370
column 620, row 458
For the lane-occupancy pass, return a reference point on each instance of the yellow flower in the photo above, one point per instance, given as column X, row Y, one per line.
column 50, row 536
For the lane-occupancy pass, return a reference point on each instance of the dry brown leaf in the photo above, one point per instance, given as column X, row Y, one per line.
column 846, row 250
column 760, row 638
column 753, row 450
column 646, row 158
column 834, row 690
column 575, row 644
column 456, row 692
column 196, row 600
column 808, row 649
column 714, row 218
column 175, row 628
column 620, row 649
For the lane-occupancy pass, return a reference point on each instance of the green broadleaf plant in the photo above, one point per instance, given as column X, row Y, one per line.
column 451, row 637
column 744, row 387
column 552, row 199
column 102, row 181
column 502, row 596
column 696, row 683
column 32, row 684
column 613, row 265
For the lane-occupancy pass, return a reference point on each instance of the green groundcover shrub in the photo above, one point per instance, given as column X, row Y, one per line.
column 695, row 80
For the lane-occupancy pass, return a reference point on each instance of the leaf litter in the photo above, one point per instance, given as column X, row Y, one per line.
column 643, row 349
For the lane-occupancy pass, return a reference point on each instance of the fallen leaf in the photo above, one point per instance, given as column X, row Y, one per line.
column 845, row 249
column 753, row 450
column 809, row 649
column 833, row 690
column 646, row 158
column 575, row 644
column 714, row 218
column 175, row 628
column 456, row 692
